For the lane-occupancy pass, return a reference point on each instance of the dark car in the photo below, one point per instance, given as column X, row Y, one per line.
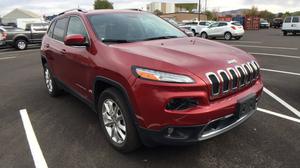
column 20, row 38
column 148, row 81
column 277, row 23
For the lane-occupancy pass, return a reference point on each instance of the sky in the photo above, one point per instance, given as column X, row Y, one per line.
column 50, row 7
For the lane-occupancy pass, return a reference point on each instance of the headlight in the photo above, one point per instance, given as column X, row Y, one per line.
column 161, row 76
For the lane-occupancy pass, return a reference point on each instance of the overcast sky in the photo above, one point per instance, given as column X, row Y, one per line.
column 56, row 6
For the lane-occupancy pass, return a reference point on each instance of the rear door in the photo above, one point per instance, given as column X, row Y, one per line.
column 57, row 49
column 78, row 58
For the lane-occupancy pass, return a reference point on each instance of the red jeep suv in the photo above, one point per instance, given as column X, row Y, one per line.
column 148, row 82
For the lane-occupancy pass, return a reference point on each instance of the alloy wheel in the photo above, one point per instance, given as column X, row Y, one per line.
column 114, row 121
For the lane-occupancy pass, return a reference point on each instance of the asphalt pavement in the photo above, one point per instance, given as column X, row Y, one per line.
column 69, row 135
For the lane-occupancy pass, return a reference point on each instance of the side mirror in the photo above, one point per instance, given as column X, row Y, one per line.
column 75, row 40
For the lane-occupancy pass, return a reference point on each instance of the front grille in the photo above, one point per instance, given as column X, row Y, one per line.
column 233, row 78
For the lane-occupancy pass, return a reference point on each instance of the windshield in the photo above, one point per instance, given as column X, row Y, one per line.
column 132, row 27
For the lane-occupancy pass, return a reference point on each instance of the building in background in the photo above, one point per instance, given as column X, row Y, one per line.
column 20, row 17
column 186, row 7
column 161, row 6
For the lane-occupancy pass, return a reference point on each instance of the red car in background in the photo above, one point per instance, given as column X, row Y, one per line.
column 148, row 81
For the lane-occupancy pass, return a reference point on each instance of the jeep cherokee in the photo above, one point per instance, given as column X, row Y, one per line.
column 148, row 82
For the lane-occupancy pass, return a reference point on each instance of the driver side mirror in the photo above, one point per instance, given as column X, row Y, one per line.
column 75, row 40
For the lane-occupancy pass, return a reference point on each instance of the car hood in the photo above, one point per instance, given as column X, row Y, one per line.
column 193, row 54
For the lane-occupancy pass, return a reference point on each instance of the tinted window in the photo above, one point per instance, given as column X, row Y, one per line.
column 288, row 20
column 222, row 24
column 236, row 24
column 202, row 23
column 50, row 30
column 130, row 27
column 59, row 30
column 214, row 25
column 295, row 20
column 76, row 27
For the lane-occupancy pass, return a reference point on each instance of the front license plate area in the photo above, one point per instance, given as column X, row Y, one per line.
column 246, row 105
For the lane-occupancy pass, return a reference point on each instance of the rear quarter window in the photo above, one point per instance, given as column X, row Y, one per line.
column 51, row 28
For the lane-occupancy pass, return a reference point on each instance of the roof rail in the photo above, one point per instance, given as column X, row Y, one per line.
column 140, row 10
column 71, row 10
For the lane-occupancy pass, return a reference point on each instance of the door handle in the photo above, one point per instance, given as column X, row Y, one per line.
column 63, row 51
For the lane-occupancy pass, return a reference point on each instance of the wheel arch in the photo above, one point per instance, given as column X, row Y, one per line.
column 102, row 83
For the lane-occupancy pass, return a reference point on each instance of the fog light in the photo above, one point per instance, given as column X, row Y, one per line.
column 170, row 131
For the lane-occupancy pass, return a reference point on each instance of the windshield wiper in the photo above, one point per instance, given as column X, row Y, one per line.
column 115, row 41
column 161, row 37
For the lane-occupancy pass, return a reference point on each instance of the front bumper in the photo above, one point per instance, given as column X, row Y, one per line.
column 187, row 135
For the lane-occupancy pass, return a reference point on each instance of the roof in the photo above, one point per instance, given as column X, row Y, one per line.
column 21, row 13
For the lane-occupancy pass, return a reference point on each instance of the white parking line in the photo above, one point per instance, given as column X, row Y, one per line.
column 266, row 47
column 6, row 58
column 16, row 52
column 250, row 42
column 35, row 148
column 275, row 55
column 277, row 71
column 284, row 103
column 279, row 115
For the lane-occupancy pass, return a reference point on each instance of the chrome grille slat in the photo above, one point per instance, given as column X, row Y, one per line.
column 233, row 78
column 215, row 83
column 225, row 80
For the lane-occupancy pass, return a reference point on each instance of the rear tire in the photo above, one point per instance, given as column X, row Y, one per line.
column 52, row 87
column 227, row 36
column 285, row 33
column 116, row 122
column 21, row 44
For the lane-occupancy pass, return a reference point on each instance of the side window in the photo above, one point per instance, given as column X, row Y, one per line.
column 295, row 19
column 51, row 28
column 59, row 30
column 214, row 25
column 222, row 24
column 202, row 23
column 76, row 27
column 288, row 20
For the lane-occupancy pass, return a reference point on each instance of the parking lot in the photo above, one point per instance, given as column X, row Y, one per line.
column 68, row 133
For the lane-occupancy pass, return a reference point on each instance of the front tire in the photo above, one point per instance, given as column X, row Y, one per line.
column 228, row 36
column 21, row 44
column 116, row 122
column 204, row 35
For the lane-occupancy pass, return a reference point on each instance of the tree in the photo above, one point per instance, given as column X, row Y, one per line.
column 296, row 13
column 103, row 4
column 252, row 12
column 157, row 12
column 267, row 15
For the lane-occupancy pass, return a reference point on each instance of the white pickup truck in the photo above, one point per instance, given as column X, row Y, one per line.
column 196, row 26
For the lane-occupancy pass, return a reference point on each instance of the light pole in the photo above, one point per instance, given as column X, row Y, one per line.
column 199, row 10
